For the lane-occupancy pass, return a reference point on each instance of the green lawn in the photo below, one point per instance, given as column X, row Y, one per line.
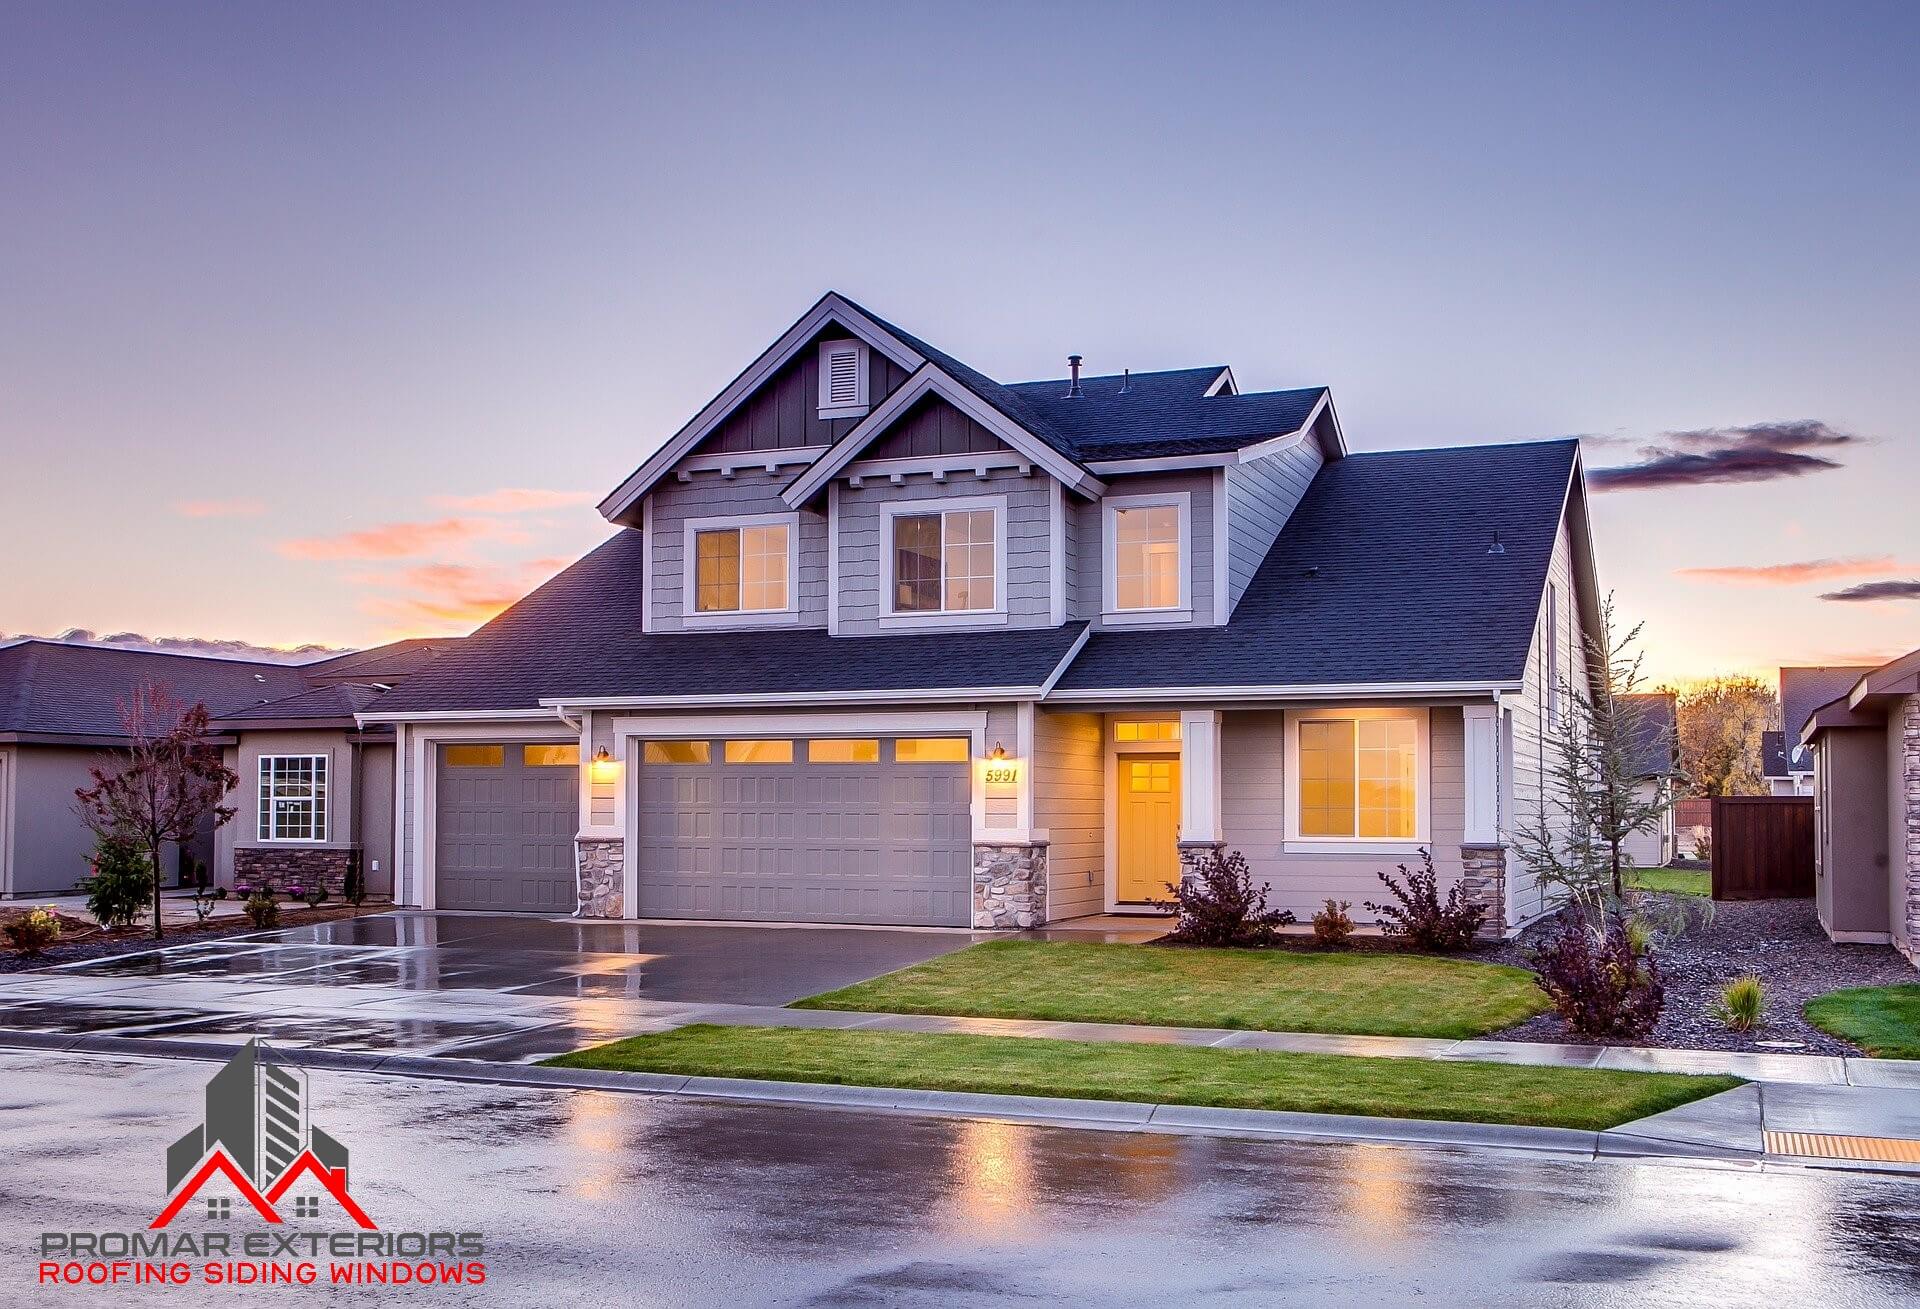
column 1674, row 881
column 1364, row 992
column 1160, row 1074
column 1882, row 1020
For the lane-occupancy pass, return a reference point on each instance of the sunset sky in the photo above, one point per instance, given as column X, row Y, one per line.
column 329, row 323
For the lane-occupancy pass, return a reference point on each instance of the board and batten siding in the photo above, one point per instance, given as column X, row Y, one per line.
column 708, row 495
column 933, row 427
column 1532, row 746
column 785, row 411
column 866, row 568
column 1069, row 805
column 1253, row 807
column 1261, row 496
column 1088, row 599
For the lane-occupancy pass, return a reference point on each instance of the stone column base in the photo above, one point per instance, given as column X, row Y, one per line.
column 1484, row 881
column 285, row 867
column 602, row 876
column 1009, row 885
column 1195, row 857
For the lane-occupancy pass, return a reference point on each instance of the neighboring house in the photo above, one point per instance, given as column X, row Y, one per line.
column 314, row 785
column 1866, row 753
column 1786, row 763
column 1656, row 765
column 879, row 639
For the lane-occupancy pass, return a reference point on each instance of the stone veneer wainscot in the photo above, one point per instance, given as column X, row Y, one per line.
column 283, row 866
column 1010, row 885
column 602, row 872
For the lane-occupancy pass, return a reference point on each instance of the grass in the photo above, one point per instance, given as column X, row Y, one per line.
column 1882, row 1020
column 1673, row 881
column 1371, row 994
column 1587, row 1098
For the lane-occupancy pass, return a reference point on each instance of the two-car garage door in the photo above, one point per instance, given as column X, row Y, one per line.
column 870, row 830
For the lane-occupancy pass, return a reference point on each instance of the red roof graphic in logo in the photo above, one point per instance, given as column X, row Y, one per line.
column 218, row 1162
column 333, row 1179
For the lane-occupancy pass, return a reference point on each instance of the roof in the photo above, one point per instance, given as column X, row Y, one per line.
column 1161, row 415
column 1655, row 732
column 1805, row 689
column 1862, row 701
column 338, row 701
column 1773, row 755
column 1381, row 575
column 381, row 663
column 52, row 688
column 578, row 636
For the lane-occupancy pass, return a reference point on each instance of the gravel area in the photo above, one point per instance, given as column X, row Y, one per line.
column 98, row 944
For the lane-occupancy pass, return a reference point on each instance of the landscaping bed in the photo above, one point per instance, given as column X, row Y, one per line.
column 81, row 939
column 1590, row 1099
column 1369, row 992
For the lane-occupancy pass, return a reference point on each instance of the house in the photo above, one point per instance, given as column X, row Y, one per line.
column 878, row 639
column 1654, row 722
column 315, row 787
column 1787, row 764
column 1866, row 762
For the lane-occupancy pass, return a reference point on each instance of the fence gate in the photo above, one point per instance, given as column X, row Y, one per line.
column 1762, row 847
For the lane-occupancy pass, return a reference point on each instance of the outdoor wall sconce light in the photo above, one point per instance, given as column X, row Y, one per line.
column 605, row 766
column 999, row 752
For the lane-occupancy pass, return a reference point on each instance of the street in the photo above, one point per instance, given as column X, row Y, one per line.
column 597, row 1195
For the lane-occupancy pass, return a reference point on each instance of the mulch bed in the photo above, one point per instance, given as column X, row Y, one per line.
column 82, row 940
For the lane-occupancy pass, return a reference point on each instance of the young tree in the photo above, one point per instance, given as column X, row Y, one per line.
column 1721, row 720
column 1590, row 800
column 166, row 782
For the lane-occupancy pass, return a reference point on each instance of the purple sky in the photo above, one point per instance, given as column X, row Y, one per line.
column 290, row 294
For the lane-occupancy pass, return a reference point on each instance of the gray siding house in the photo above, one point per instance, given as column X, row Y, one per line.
column 878, row 639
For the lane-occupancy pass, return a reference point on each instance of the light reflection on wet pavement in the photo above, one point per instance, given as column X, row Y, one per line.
column 639, row 1200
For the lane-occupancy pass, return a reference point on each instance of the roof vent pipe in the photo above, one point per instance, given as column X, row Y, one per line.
column 1073, row 366
column 1126, row 380
column 1496, row 548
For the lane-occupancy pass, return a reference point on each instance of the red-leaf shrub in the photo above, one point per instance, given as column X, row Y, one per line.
column 1221, row 906
column 1421, row 919
column 1598, row 985
column 1332, row 926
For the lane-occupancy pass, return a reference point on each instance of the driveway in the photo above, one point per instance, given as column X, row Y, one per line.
column 478, row 985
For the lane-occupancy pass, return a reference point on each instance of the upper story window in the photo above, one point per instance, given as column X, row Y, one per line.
column 293, row 797
column 947, row 560
column 1553, row 653
column 741, row 566
column 843, row 379
column 1147, row 553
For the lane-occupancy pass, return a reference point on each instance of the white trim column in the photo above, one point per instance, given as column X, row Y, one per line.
column 1200, row 776
column 1482, row 761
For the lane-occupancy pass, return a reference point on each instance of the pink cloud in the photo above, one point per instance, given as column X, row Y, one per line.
column 219, row 508
column 1792, row 574
column 456, row 595
column 388, row 541
column 513, row 500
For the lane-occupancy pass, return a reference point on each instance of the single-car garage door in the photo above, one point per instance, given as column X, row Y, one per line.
column 834, row 830
column 504, row 826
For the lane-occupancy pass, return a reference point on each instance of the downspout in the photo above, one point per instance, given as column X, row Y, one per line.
column 560, row 712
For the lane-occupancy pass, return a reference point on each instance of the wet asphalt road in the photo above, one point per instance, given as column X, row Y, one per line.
column 631, row 1200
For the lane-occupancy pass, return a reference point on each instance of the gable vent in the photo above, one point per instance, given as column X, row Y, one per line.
column 843, row 379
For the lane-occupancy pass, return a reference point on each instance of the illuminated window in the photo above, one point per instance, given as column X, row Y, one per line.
column 476, row 756
column 1150, row 776
column 1147, row 731
column 945, row 562
column 1146, row 557
column 293, row 797
column 931, row 750
column 675, row 752
column 741, row 569
column 550, row 756
column 1358, row 777
column 834, row 751
column 759, row 752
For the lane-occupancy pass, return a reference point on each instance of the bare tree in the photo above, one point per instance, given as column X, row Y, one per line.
column 167, row 781
column 1590, row 800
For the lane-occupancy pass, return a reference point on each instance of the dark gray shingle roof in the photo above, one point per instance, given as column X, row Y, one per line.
column 1654, row 726
column 1773, row 754
column 1803, row 690
column 56, row 689
column 338, row 701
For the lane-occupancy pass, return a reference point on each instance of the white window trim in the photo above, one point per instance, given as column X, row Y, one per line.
column 1111, row 614
column 690, row 613
column 891, row 617
column 263, row 799
column 858, row 409
column 1368, row 845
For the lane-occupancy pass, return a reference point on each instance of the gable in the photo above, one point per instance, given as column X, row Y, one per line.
column 933, row 427
column 784, row 413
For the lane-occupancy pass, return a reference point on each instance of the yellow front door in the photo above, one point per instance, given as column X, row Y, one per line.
column 1148, row 850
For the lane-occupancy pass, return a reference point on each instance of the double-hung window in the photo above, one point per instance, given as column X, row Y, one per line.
column 946, row 561
column 1357, row 776
column 293, row 797
column 1147, row 556
column 742, row 567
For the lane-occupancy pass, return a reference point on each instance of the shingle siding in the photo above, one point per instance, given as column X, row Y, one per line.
column 708, row 495
column 1091, row 546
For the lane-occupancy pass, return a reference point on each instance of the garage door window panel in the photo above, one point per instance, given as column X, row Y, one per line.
column 675, row 752
column 932, row 749
column 759, row 752
column 834, row 750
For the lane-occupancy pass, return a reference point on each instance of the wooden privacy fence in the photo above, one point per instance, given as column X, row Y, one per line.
column 1762, row 847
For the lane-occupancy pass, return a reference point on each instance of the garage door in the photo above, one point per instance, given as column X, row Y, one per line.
column 836, row 831
column 504, row 826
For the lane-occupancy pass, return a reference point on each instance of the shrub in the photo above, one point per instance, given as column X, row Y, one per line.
column 316, row 895
column 204, row 899
column 1597, row 984
column 263, row 909
column 1703, row 847
column 1421, row 919
column 34, row 931
column 1221, row 906
column 1331, row 926
column 1742, row 1004
column 121, row 884
column 354, row 888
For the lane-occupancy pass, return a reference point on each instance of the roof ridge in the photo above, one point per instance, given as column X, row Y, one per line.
column 47, row 642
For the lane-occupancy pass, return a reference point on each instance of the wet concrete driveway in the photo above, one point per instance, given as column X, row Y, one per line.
column 471, row 985
column 587, row 1197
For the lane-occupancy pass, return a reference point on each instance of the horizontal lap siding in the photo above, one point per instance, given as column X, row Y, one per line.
column 1532, row 750
column 1069, row 805
column 1260, row 497
column 1002, row 800
column 1253, row 815
column 708, row 495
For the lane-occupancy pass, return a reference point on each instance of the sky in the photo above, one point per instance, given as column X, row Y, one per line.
column 330, row 323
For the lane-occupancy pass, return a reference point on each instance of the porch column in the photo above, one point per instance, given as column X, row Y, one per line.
column 1482, row 855
column 1201, row 832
